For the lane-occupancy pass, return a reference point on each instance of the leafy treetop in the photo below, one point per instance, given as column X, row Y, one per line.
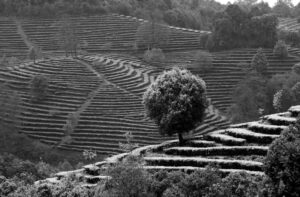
column 176, row 101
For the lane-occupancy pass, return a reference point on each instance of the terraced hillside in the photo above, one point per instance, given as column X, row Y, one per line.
column 11, row 43
column 238, row 147
column 105, row 92
column 229, row 68
column 103, row 33
column 289, row 24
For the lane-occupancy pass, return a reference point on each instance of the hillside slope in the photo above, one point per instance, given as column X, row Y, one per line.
column 102, row 92
column 238, row 147
column 229, row 68
column 105, row 33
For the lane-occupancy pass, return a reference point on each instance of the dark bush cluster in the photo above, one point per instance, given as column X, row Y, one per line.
column 236, row 27
column 282, row 163
column 257, row 95
column 39, row 87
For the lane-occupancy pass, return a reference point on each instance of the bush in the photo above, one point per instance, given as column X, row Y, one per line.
column 296, row 68
column 176, row 101
column 283, row 100
column 282, row 163
column 203, row 61
column 154, row 56
column 249, row 97
column 199, row 182
column 11, row 166
column 240, row 184
column 298, row 20
column 128, row 178
column 280, row 49
column 259, row 62
column 39, row 87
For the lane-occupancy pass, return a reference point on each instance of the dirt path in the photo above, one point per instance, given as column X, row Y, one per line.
column 103, row 78
column 21, row 32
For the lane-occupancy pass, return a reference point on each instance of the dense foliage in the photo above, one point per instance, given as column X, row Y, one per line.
column 249, row 99
column 256, row 94
column 176, row 101
column 259, row 62
column 128, row 179
column 283, row 88
column 236, row 27
column 282, row 163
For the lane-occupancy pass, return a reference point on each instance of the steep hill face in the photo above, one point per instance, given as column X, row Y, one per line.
column 236, row 148
column 102, row 92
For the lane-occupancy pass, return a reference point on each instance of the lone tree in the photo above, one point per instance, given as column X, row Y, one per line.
column 259, row 62
column 176, row 101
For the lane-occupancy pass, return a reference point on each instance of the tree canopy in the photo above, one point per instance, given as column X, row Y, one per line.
column 176, row 101
column 235, row 28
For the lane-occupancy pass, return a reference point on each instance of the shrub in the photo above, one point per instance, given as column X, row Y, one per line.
column 280, row 49
column 296, row 68
column 129, row 145
column 249, row 97
column 241, row 184
column 160, row 181
column 176, row 101
column 154, row 56
column 203, row 61
column 199, row 182
column 282, row 163
column 296, row 92
column 39, row 87
column 259, row 62
column 283, row 99
column 298, row 20
column 128, row 178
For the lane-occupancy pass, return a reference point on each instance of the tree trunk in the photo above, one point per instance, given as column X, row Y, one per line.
column 181, row 140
